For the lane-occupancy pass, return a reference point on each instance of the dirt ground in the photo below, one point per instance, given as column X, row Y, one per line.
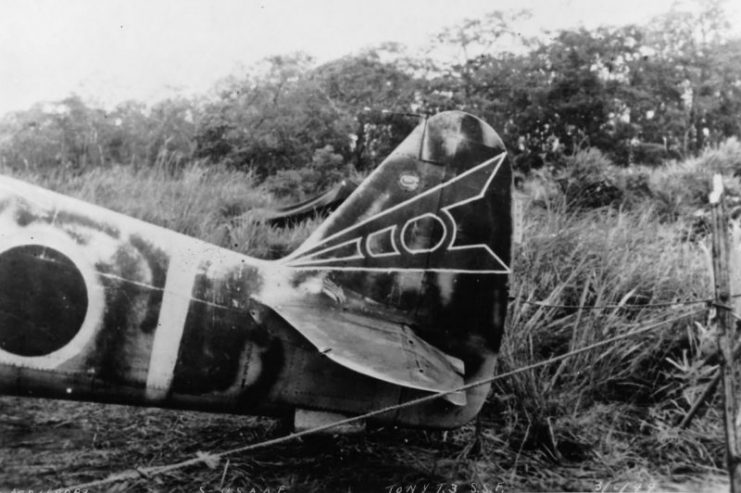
column 48, row 445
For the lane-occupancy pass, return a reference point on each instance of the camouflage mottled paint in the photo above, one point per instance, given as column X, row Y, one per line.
column 406, row 280
column 453, row 171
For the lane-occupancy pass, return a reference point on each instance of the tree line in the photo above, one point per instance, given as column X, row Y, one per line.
column 639, row 93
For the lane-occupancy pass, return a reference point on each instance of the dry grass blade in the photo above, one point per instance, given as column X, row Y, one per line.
column 607, row 415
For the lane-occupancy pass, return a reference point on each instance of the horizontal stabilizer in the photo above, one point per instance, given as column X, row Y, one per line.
column 319, row 205
column 377, row 348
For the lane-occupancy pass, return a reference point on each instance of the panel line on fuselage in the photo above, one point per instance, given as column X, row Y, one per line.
column 155, row 288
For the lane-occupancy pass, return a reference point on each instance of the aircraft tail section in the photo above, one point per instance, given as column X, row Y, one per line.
column 428, row 234
column 401, row 292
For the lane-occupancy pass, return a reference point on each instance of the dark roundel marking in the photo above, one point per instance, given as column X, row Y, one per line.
column 43, row 300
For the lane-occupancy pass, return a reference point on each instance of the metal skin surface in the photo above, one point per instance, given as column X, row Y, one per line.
column 401, row 292
column 319, row 205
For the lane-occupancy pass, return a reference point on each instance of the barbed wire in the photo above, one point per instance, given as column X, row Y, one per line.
column 627, row 306
column 212, row 459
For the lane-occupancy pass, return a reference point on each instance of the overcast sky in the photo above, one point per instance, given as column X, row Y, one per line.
column 111, row 50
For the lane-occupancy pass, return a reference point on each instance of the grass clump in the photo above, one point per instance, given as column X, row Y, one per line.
column 606, row 415
column 586, row 181
column 576, row 261
column 674, row 191
column 679, row 190
column 211, row 203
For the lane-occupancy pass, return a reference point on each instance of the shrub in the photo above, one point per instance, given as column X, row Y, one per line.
column 588, row 182
column 679, row 189
column 325, row 169
column 649, row 154
column 635, row 185
column 724, row 158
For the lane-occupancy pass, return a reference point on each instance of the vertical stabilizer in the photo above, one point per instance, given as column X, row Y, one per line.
column 428, row 234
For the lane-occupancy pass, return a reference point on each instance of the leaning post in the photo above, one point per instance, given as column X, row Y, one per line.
column 726, row 332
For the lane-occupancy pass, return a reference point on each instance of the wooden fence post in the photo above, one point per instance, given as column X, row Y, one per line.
column 726, row 327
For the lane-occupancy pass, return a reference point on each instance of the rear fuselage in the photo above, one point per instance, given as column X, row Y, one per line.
column 98, row 306
column 401, row 292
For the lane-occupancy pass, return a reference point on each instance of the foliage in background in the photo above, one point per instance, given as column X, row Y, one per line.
column 675, row 191
column 324, row 170
column 640, row 94
column 610, row 413
column 69, row 135
column 587, row 182
column 617, row 131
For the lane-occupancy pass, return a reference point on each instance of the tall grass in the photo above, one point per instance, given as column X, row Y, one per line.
column 602, row 257
column 674, row 190
column 212, row 203
column 609, row 413
column 621, row 400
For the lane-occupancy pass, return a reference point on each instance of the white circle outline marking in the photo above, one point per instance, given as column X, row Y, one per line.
column 428, row 249
column 49, row 237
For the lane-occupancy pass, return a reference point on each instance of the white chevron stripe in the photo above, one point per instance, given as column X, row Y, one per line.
column 176, row 300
